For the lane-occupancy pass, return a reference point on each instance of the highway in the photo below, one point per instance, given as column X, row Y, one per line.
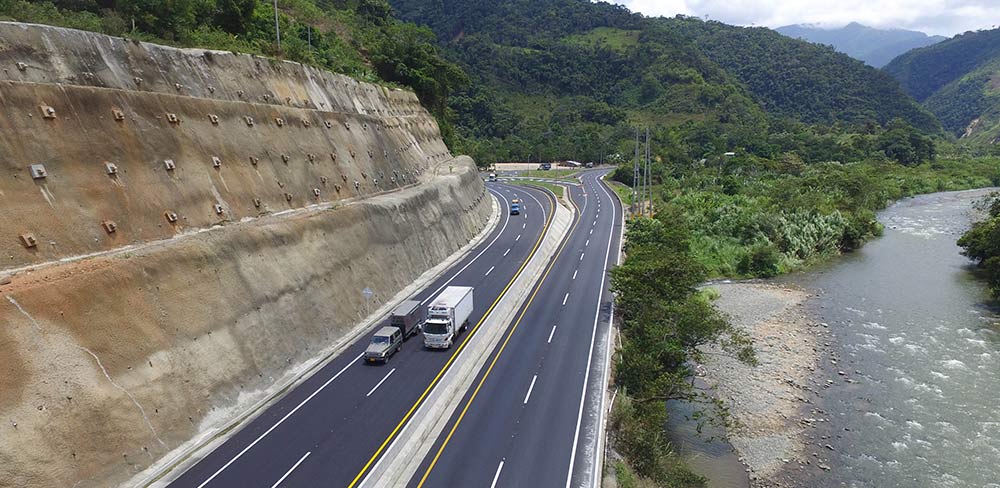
column 532, row 417
column 332, row 427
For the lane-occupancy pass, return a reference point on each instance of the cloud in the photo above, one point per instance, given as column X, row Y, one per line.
column 943, row 17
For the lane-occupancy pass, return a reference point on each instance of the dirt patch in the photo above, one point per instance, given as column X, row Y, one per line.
column 773, row 403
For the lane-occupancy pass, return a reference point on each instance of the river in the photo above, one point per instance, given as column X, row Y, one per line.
column 914, row 353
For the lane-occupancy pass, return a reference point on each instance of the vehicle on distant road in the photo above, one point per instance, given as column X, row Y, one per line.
column 515, row 206
column 408, row 317
column 491, row 177
column 447, row 315
column 386, row 342
column 545, row 166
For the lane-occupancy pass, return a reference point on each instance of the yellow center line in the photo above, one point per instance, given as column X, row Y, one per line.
column 461, row 346
column 503, row 346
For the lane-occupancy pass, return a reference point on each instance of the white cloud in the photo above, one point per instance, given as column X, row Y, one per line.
column 943, row 17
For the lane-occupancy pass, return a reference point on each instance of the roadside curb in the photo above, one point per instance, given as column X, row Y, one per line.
column 171, row 466
column 408, row 450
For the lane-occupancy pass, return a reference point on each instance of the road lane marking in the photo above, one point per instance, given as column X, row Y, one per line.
column 276, row 483
column 497, row 476
column 275, row 426
column 391, row 438
column 490, row 271
column 587, row 243
column 505, row 252
column 565, row 298
column 575, row 272
column 531, row 387
column 518, row 238
column 592, row 231
column 488, row 246
column 596, row 479
column 590, row 358
column 524, row 225
column 582, row 254
column 380, row 382
column 503, row 347
column 551, row 334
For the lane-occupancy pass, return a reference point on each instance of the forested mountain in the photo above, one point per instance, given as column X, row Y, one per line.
column 876, row 47
column 566, row 79
column 959, row 81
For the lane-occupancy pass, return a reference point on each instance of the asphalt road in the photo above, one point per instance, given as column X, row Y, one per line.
column 332, row 427
column 533, row 416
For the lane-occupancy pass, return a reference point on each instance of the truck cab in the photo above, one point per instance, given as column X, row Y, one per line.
column 491, row 177
column 386, row 342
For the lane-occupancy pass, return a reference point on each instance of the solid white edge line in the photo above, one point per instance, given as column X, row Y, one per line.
column 497, row 475
column 530, row 387
column 551, row 334
column 276, row 483
column 590, row 358
column 488, row 246
column 602, row 420
column 275, row 426
column 374, row 469
column 393, row 370
column 490, row 271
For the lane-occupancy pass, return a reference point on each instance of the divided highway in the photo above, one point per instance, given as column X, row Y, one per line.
column 332, row 427
column 533, row 416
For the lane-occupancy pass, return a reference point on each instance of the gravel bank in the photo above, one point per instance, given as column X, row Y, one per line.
column 774, row 403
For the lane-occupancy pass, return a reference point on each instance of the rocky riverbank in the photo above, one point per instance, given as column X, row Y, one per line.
column 775, row 404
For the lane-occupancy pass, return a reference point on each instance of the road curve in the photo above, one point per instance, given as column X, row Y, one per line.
column 534, row 418
column 331, row 427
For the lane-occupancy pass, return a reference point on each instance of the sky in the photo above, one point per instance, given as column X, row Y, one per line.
column 940, row 17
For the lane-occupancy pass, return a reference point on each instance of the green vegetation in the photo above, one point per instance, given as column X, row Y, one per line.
column 664, row 321
column 567, row 79
column 981, row 243
column 359, row 38
column 752, row 217
column 557, row 189
column 959, row 81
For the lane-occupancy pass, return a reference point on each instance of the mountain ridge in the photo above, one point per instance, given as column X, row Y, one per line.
column 876, row 47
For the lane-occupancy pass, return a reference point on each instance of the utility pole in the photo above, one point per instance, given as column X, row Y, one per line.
column 635, row 172
column 309, row 31
column 649, row 174
column 277, row 30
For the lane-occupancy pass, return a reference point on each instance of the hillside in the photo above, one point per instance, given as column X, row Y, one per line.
column 566, row 78
column 804, row 81
column 359, row 38
column 875, row 47
column 959, row 81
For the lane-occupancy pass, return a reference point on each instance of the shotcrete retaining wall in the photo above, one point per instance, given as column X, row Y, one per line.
column 138, row 301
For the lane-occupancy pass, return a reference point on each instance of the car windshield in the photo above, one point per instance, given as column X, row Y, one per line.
column 436, row 328
column 380, row 340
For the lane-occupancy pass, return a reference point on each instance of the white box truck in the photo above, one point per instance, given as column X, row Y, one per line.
column 447, row 315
